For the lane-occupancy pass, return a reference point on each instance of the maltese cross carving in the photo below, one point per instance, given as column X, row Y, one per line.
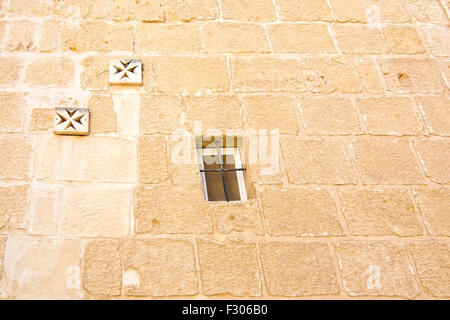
column 125, row 72
column 71, row 121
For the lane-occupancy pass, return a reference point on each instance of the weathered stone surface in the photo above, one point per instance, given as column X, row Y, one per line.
column 48, row 40
column 390, row 116
column 380, row 212
column 434, row 204
column 29, row 8
column 429, row 11
column 238, row 217
column 435, row 112
column 234, row 37
column 411, row 76
column 153, row 159
column 299, row 212
column 438, row 40
column 159, row 114
column 301, row 38
column 50, row 72
column 204, row 74
column 102, row 274
column 145, row 10
column 12, row 116
column 166, row 209
column 253, row 74
column 43, row 214
column 13, row 206
column 357, row 38
column 168, row 38
column 219, row 263
column 127, row 108
column 162, row 267
column 95, row 211
column 403, row 40
column 304, row 10
column 272, row 112
column 15, row 158
column 298, row 269
column 444, row 68
column 107, row 159
column 256, row 10
column 316, row 161
column 324, row 75
column 42, row 119
column 348, row 10
column 368, row 74
column 2, row 251
column 73, row 9
column 326, row 116
column 95, row 73
column 36, row 268
column 376, row 268
column 435, row 159
column 432, row 260
column 386, row 11
column 385, row 161
column 102, row 117
column 21, row 35
column 9, row 68
column 179, row 10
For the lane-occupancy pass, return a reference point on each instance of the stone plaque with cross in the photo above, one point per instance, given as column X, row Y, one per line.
column 71, row 121
column 125, row 72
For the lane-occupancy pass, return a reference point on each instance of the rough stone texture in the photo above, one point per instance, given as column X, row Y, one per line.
column 389, row 11
column 403, row 40
column 261, row 111
column 168, row 38
column 95, row 212
column 434, row 204
column 385, row 161
column 444, row 68
column 95, row 73
column 325, row 116
column 229, row 268
column 15, row 158
column 438, row 40
column 376, row 268
column 12, row 116
column 354, row 38
column 266, row 74
column 153, row 160
column 50, row 72
column 435, row 159
column 179, row 10
column 102, row 274
column 102, row 117
column 164, row 267
column 37, row 268
column 435, row 111
column 2, row 251
column 298, row 269
column 316, row 161
column 348, row 10
column 234, row 37
column 49, row 36
column 432, row 260
column 368, row 74
column 256, row 10
column 145, row 10
column 379, row 212
column 13, row 206
column 390, row 116
column 429, row 11
column 300, row 212
column 43, row 214
column 9, row 68
column 21, row 35
column 159, row 114
column 42, row 119
column 301, row 38
column 166, row 209
column 238, row 217
column 304, row 10
column 411, row 75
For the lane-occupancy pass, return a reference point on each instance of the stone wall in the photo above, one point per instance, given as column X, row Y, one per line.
column 358, row 89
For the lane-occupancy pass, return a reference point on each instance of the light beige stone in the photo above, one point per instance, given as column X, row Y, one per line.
column 304, row 10
column 15, row 158
column 432, row 262
column 95, row 212
column 324, row 116
column 316, row 161
column 429, row 11
column 298, row 269
column 189, row 10
column 102, row 117
column 403, row 40
column 127, row 108
column 37, row 268
column 159, row 114
column 12, row 116
column 229, row 268
column 168, row 38
column 385, row 161
column 50, row 72
column 444, row 68
column 348, row 10
column 166, row 209
column 253, row 74
column 153, row 159
column 359, row 38
column 387, row 11
column 102, row 274
column 29, row 8
column 14, row 201
column 435, row 159
column 438, row 40
column 164, row 267
column 301, row 38
column 376, row 268
column 2, row 251
column 380, row 212
column 43, row 216
column 272, row 113
column 105, row 159
column 390, row 116
column 234, row 37
column 411, row 76
column 146, row 10
column 49, row 36
column 238, row 217
column 10, row 69
column 435, row 111
column 21, row 35
column 256, row 10
column 299, row 212
column 368, row 74
column 73, row 9
column 42, row 119
column 95, row 73
column 434, row 204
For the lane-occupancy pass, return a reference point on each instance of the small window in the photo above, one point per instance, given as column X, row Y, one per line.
column 222, row 174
